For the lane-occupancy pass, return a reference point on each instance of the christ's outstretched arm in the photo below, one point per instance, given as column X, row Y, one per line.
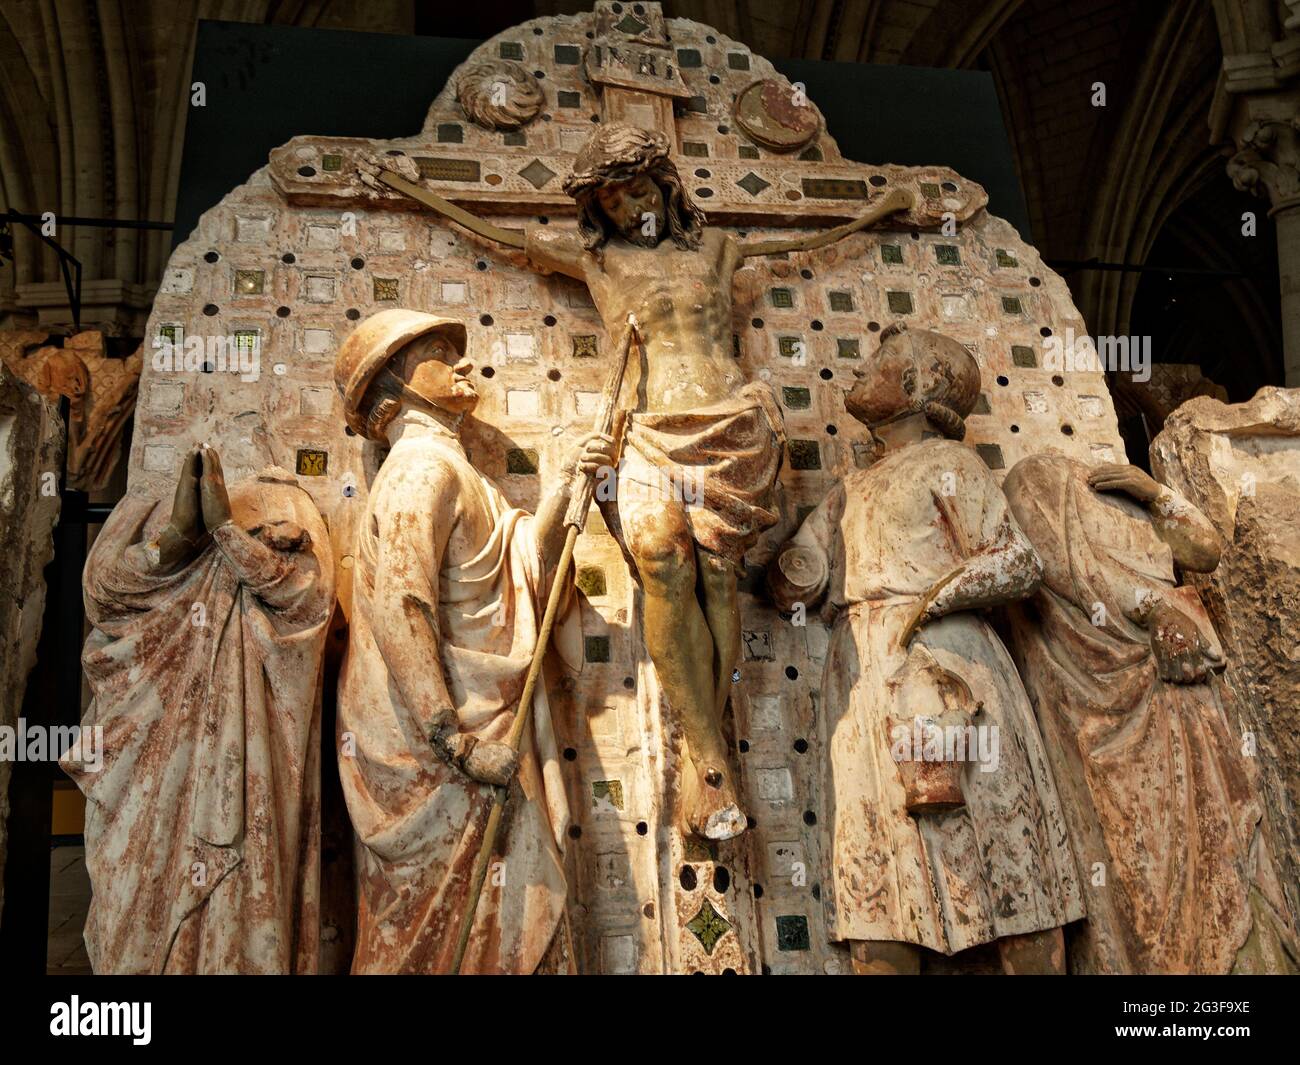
column 550, row 250
column 512, row 237
column 895, row 200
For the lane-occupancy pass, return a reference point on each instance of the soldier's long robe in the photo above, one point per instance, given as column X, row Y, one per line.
column 203, row 824
column 1001, row 865
column 1159, row 799
column 419, row 821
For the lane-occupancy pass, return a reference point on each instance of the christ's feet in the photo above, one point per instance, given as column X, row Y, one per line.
column 712, row 808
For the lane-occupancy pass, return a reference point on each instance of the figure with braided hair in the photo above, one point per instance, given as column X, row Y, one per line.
column 907, row 553
column 701, row 447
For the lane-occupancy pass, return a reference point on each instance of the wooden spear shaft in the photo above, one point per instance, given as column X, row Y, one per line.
column 575, row 517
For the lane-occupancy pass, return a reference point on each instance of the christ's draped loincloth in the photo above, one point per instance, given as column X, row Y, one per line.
column 720, row 462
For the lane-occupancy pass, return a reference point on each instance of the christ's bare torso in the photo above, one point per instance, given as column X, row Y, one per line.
column 682, row 303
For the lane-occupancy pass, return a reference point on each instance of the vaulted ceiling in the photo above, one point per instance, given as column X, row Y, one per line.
column 94, row 95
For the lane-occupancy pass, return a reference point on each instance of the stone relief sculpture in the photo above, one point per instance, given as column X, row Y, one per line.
column 448, row 594
column 1163, row 809
column 308, row 236
column 642, row 247
column 209, row 614
column 1240, row 465
column 906, row 552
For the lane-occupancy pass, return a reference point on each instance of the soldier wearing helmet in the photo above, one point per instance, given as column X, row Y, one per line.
column 450, row 583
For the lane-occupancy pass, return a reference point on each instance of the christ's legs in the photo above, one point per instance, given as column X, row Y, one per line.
column 681, row 646
column 722, row 611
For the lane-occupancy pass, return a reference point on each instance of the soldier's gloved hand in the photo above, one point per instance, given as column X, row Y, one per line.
column 490, row 762
column 594, row 452
column 487, row 761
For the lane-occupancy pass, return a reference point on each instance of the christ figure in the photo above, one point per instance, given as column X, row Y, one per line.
column 702, row 448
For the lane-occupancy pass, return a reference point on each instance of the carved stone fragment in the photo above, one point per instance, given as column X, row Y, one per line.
column 1240, row 465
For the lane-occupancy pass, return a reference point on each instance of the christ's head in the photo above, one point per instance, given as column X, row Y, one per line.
column 625, row 185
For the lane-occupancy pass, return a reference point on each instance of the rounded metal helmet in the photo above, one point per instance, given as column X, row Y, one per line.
column 372, row 344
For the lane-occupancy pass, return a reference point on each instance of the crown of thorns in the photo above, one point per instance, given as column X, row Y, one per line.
column 617, row 152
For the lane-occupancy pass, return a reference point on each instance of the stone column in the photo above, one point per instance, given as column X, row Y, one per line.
column 1267, row 163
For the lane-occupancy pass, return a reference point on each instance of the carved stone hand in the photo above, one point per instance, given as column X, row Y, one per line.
column 212, row 491
column 186, row 519
column 1118, row 477
column 1176, row 643
column 490, row 762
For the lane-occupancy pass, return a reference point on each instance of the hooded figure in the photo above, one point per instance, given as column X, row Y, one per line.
column 448, row 598
column 916, row 682
column 203, row 821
